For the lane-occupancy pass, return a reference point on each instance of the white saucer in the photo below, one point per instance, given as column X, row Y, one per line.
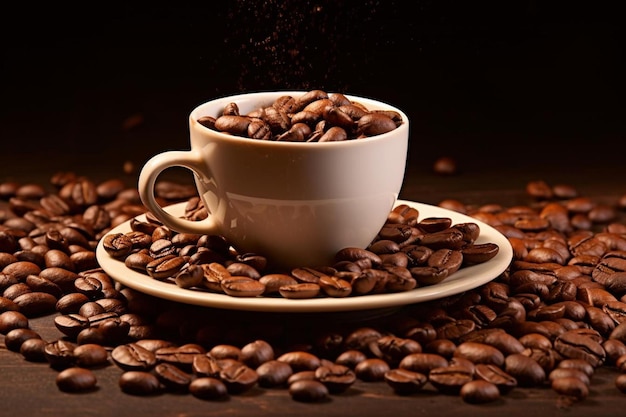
column 464, row 279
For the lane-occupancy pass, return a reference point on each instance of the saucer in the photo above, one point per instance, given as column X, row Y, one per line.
column 464, row 279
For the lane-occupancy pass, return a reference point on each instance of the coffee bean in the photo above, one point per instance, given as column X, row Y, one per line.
column 273, row 373
column 208, row 388
column 10, row 320
column 172, row 378
column 479, row 392
column 60, row 353
column 405, row 381
column 33, row 350
column 497, row 376
column 90, row 355
column 371, row 369
column 238, row 378
column 133, row 357
column 256, row 353
column 524, row 369
column 76, row 379
column 337, row 378
column 140, row 383
column 308, row 390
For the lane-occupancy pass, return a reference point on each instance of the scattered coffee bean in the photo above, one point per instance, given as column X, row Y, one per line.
column 76, row 380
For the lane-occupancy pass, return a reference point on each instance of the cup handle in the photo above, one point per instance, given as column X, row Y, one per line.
column 147, row 180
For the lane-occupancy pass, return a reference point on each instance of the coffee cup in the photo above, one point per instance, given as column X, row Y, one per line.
column 297, row 203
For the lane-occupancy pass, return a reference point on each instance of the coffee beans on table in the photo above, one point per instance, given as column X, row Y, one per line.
column 552, row 318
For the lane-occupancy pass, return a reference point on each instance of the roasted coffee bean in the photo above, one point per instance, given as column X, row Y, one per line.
column 447, row 259
column 208, row 388
column 561, row 372
column 189, row 276
column 404, row 381
column 165, row 266
column 10, row 320
column 76, row 379
column 117, row 245
column 449, row 379
column 524, row 369
column 570, row 387
column 371, row 369
column 139, row 383
column 574, row 345
column 350, row 358
column 273, row 373
column 71, row 324
column 172, row 378
column 33, row 350
column 495, row 375
column 479, row 353
column 300, row 360
column 256, row 353
column 242, row 286
column 308, row 390
column 479, row 253
column 393, row 349
column 422, row 362
column 479, row 391
column 300, row 291
column 226, row 351
column 335, row 287
column 61, row 277
column 60, row 353
column 36, row 303
column 238, row 378
column 337, row 378
column 181, row 356
column 90, row 355
column 133, row 357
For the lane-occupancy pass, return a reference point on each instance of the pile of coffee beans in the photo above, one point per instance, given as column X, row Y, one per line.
column 315, row 116
column 552, row 319
column 408, row 252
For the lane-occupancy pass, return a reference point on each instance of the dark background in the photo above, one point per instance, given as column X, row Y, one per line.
column 489, row 83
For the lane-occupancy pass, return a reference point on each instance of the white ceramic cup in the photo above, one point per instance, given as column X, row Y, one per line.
column 296, row 203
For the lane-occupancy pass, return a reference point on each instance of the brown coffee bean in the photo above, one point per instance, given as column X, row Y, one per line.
column 525, row 370
column 450, row 379
column 308, row 390
column 238, row 378
column 76, row 379
column 10, row 320
column 133, row 357
column 404, row 381
column 172, row 378
column 337, row 378
column 570, row 387
column 208, row 388
column 479, row 392
column 33, row 350
column 300, row 360
column 273, row 373
column 371, row 369
column 139, row 383
column 300, row 291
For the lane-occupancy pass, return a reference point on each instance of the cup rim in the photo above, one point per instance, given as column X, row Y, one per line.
column 370, row 103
